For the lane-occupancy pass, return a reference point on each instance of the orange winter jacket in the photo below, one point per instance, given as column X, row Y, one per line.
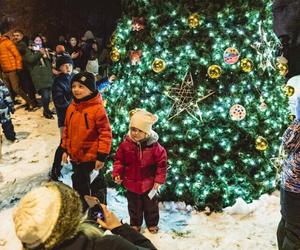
column 10, row 58
column 87, row 134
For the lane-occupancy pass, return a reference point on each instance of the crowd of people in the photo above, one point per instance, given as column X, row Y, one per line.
column 72, row 76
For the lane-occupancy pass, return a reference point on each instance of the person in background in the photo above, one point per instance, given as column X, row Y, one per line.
column 6, row 108
column 10, row 64
column 286, row 25
column 140, row 165
column 62, row 97
column 27, row 85
column 38, row 60
column 288, row 231
column 50, row 217
column 75, row 52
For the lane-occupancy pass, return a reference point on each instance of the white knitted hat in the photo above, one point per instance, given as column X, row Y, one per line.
column 47, row 215
column 142, row 120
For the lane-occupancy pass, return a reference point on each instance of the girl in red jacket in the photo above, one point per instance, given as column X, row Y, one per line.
column 140, row 165
column 86, row 137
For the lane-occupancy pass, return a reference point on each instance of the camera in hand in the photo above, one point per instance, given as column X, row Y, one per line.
column 96, row 212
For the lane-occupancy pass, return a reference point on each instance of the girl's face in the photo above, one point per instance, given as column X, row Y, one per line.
column 136, row 134
column 38, row 41
column 80, row 91
column 73, row 41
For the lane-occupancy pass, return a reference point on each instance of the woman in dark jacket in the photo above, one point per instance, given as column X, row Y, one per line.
column 38, row 61
column 50, row 217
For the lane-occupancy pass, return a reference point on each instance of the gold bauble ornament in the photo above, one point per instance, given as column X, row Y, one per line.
column 246, row 65
column 283, row 68
column 158, row 65
column 261, row 143
column 115, row 55
column 214, row 71
column 193, row 20
column 289, row 90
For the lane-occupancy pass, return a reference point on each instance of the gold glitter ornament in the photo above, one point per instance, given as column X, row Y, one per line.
column 246, row 65
column 289, row 90
column 261, row 143
column 115, row 55
column 283, row 68
column 193, row 20
column 158, row 65
column 214, row 71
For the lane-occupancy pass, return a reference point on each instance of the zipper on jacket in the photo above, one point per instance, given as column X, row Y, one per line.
column 86, row 120
column 71, row 130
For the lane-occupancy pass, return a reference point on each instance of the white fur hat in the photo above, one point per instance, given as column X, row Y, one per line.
column 47, row 216
column 142, row 120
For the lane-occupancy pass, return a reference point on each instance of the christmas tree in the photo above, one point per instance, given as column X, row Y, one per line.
column 208, row 70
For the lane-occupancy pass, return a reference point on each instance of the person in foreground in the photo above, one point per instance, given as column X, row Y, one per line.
column 50, row 217
column 288, row 231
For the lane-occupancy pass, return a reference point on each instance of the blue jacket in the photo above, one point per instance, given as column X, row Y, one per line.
column 62, row 96
column 6, row 103
column 286, row 19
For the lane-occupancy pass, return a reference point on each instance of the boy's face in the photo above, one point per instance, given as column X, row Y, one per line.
column 136, row 134
column 66, row 68
column 80, row 91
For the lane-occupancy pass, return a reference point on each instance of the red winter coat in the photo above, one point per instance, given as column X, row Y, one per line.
column 140, row 166
column 87, row 134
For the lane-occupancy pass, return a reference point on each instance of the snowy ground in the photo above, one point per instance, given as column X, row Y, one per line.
column 25, row 164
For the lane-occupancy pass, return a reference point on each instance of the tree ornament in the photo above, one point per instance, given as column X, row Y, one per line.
column 158, row 65
column 263, row 106
column 246, row 65
column 113, row 39
column 115, row 55
column 231, row 55
column 193, row 20
column 214, row 71
column 289, row 90
column 283, row 68
column 261, row 143
column 135, row 57
column 138, row 23
column 237, row 112
column 186, row 99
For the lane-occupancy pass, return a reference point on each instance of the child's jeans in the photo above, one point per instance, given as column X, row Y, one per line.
column 81, row 182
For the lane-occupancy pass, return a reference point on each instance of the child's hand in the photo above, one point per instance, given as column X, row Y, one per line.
column 99, row 165
column 64, row 158
column 112, row 78
column 156, row 186
column 118, row 180
column 110, row 220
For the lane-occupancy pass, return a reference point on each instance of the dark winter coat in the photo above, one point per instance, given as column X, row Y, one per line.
column 40, row 69
column 78, row 63
column 62, row 96
column 140, row 165
column 286, row 14
column 87, row 134
column 129, row 239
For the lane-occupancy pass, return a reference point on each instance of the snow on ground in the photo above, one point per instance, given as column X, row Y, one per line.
column 25, row 164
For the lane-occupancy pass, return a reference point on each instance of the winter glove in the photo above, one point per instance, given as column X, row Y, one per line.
column 298, row 108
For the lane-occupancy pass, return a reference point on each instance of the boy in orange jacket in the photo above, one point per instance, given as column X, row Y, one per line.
column 86, row 137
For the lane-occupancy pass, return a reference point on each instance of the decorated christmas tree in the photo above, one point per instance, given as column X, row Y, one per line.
column 208, row 70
